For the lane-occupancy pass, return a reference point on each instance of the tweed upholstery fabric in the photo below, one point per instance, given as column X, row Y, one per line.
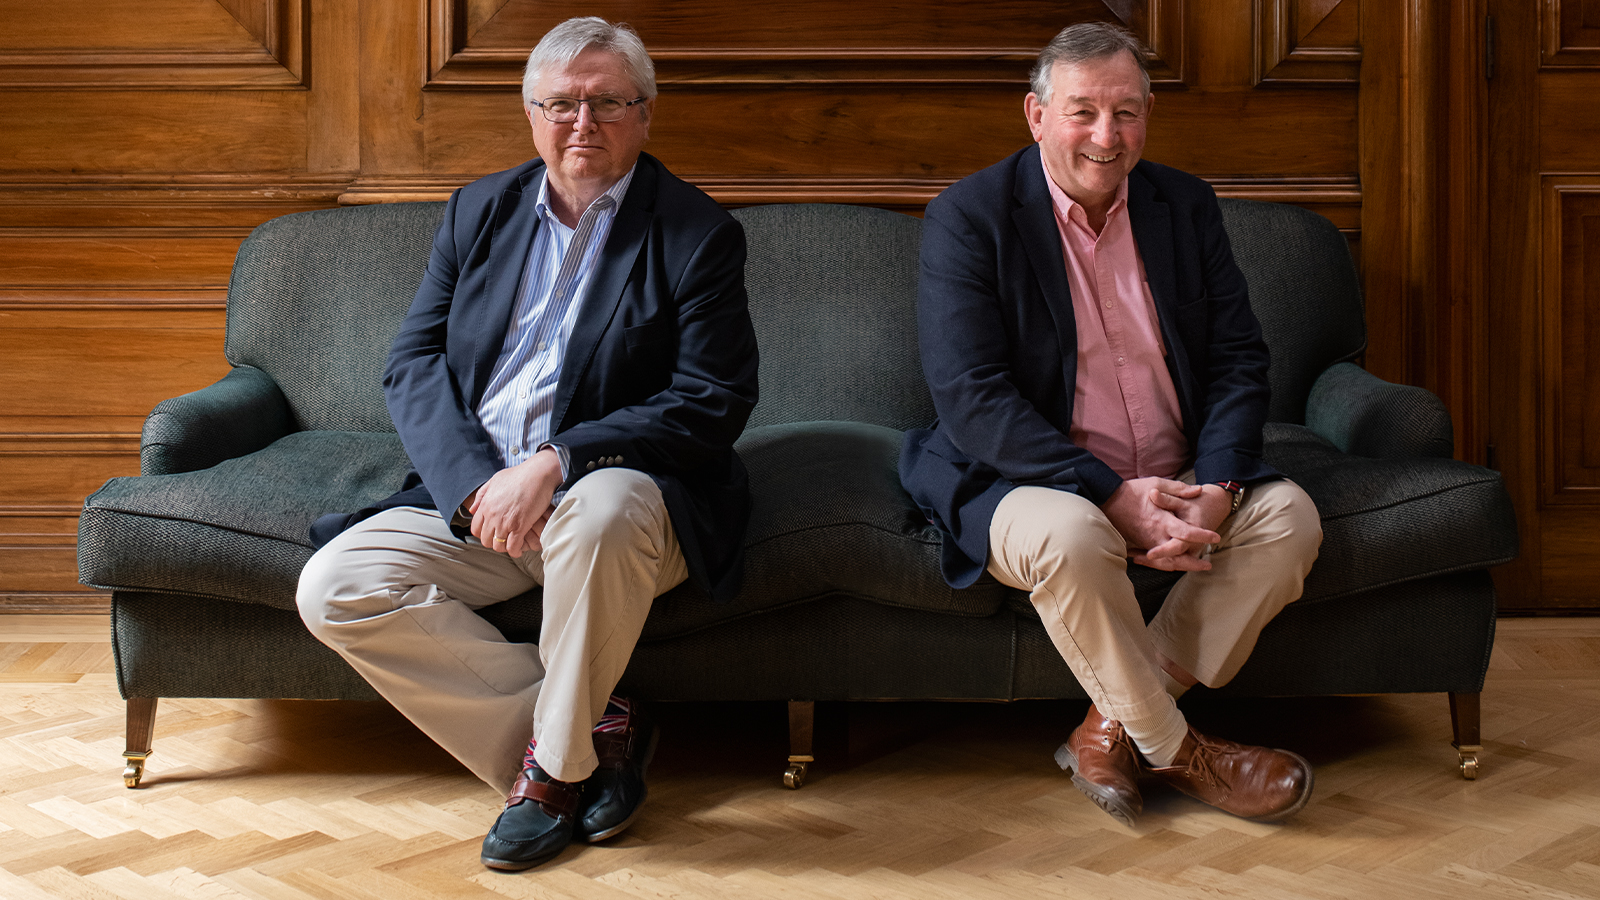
column 1303, row 288
column 828, row 518
column 238, row 530
column 168, row 645
column 1362, row 414
column 833, row 295
column 315, row 301
column 239, row 414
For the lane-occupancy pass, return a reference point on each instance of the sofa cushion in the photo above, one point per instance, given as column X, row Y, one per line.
column 1386, row 521
column 238, row 530
column 828, row 518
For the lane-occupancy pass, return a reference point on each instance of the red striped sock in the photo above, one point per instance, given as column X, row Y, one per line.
column 615, row 718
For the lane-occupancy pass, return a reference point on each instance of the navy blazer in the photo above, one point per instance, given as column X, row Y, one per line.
column 999, row 347
column 660, row 371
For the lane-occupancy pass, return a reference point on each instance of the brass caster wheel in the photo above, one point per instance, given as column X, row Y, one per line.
column 135, row 768
column 1469, row 763
column 795, row 775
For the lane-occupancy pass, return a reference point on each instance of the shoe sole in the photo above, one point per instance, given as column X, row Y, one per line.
column 1118, row 810
column 644, row 794
column 517, row 865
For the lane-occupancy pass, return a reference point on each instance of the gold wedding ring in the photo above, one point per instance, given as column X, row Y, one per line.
column 499, row 540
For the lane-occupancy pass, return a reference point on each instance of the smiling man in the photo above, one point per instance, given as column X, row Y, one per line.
column 1101, row 386
column 568, row 384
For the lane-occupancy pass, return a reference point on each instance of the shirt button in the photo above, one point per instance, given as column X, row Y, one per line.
column 543, row 345
column 1108, row 304
column 1121, row 360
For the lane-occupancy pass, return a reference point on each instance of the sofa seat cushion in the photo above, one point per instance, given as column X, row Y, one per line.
column 828, row 518
column 1387, row 521
column 1384, row 521
column 238, row 530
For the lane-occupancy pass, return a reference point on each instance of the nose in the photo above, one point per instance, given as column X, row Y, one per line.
column 1104, row 132
column 585, row 122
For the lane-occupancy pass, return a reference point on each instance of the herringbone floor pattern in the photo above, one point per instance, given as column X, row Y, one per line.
column 345, row 801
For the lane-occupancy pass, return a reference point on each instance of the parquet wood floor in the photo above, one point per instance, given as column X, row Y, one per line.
column 346, row 801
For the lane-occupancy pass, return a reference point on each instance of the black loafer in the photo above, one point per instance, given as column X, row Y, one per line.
column 536, row 825
column 613, row 795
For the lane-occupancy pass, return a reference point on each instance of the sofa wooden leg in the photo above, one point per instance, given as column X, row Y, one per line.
column 802, row 725
column 1464, row 721
column 141, row 732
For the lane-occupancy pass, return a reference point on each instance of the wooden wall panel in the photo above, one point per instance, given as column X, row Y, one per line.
column 144, row 139
column 1571, row 422
column 153, row 44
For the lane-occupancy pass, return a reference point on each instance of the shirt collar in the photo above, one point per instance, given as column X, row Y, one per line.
column 1065, row 205
column 616, row 192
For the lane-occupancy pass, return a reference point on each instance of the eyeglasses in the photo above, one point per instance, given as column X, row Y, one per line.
column 604, row 109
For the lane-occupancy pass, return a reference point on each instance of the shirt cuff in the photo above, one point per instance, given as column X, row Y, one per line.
column 563, row 454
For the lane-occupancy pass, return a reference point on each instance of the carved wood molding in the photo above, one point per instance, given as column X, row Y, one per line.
column 890, row 193
column 1570, row 333
column 1290, row 50
column 454, row 62
column 1570, row 32
column 281, row 29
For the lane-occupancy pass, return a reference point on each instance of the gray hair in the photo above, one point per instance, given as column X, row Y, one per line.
column 1083, row 42
column 563, row 43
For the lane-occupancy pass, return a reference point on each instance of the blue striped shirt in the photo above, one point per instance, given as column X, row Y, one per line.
column 519, row 400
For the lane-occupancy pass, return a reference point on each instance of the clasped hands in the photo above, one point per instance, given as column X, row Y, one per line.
column 1168, row 523
column 510, row 510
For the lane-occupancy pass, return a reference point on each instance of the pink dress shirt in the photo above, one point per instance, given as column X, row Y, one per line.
column 1125, row 408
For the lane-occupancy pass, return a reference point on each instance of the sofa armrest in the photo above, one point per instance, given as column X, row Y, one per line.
column 240, row 414
column 1366, row 416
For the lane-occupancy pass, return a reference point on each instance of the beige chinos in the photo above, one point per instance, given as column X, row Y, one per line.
column 396, row 596
column 1063, row 550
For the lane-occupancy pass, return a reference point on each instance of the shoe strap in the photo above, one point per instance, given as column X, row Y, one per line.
column 557, row 797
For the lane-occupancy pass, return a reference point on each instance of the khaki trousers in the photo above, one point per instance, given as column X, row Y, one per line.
column 1063, row 550
column 396, row 596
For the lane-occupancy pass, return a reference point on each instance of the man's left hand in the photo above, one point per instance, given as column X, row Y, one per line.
column 1207, row 511
column 510, row 510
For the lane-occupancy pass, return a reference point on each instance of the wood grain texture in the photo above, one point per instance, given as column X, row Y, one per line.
column 1308, row 41
column 1570, row 429
column 346, row 801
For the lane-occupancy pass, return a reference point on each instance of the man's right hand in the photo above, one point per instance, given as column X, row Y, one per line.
column 510, row 510
column 1142, row 512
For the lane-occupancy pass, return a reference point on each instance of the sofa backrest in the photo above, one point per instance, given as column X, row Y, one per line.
column 833, row 294
column 315, row 301
column 316, row 297
column 1303, row 288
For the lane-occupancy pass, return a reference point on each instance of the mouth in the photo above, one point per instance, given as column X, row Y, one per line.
column 1101, row 159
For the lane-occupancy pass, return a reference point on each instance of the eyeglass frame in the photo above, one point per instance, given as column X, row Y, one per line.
column 581, row 101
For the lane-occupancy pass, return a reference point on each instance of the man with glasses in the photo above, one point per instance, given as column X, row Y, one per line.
column 1101, row 385
column 568, row 384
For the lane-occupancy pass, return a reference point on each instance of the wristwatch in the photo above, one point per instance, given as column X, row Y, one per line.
column 1234, row 488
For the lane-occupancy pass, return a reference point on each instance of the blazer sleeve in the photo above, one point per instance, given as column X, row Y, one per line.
column 966, row 355
column 685, row 429
column 441, row 432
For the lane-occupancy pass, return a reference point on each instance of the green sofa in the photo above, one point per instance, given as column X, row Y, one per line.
column 842, row 598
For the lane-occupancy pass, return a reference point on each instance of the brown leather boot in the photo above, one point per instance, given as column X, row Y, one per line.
column 1105, row 765
column 1250, row 782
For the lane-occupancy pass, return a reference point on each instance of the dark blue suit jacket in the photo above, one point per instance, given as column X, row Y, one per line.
column 999, row 347
column 660, row 371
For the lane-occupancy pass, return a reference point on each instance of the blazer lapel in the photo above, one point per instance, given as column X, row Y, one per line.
column 611, row 271
column 1035, row 220
column 516, row 222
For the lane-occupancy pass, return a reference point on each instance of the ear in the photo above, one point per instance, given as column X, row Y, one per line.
column 1034, row 111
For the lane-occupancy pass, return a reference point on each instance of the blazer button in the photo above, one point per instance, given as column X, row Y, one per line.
column 591, row 465
column 619, row 460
